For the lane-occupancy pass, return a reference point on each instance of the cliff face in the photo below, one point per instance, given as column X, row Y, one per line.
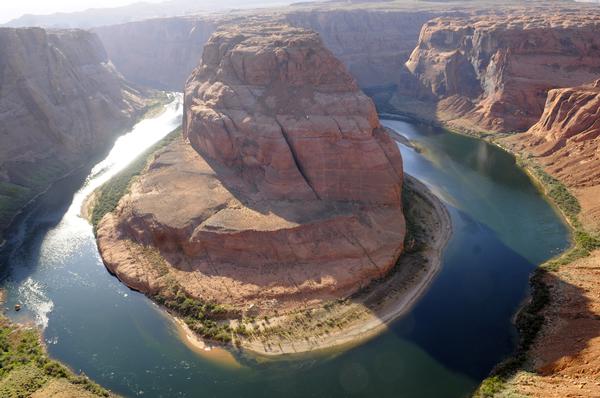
column 493, row 72
column 566, row 141
column 60, row 101
column 373, row 44
column 159, row 53
column 319, row 138
column 286, row 192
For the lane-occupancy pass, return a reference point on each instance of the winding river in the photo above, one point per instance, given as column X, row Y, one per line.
column 442, row 348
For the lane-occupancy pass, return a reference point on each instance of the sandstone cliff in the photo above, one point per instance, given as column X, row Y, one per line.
column 566, row 141
column 159, row 53
column 286, row 192
column 60, row 101
column 492, row 72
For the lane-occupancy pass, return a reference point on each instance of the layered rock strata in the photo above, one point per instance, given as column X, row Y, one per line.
column 284, row 191
column 566, row 142
column 492, row 72
column 61, row 100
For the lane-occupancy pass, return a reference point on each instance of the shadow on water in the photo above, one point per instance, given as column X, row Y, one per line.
column 446, row 344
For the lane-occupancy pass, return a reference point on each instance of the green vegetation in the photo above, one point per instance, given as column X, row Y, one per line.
column 111, row 192
column 201, row 316
column 530, row 318
column 25, row 367
column 583, row 242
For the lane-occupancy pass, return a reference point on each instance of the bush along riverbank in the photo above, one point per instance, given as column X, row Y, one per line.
column 107, row 197
column 25, row 368
column 531, row 319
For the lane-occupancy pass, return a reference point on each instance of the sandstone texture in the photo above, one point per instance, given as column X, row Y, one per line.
column 492, row 72
column 284, row 191
column 566, row 142
column 61, row 101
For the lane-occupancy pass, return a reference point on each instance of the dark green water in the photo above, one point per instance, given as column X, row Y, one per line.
column 443, row 348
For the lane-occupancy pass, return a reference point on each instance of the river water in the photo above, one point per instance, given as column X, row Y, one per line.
column 442, row 348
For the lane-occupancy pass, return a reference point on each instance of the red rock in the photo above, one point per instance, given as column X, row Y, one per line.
column 290, row 192
column 503, row 65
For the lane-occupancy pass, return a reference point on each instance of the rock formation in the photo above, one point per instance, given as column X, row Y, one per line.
column 492, row 72
column 566, row 141
column 286, row 190
column 159, row 53
column 60, row 101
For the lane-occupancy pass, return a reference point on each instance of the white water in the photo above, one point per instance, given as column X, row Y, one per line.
column 73, row 231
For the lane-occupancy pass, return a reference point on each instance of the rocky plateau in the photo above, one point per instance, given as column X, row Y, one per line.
column 284, row 190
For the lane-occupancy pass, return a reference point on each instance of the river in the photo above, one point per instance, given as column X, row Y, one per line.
column 443, row 347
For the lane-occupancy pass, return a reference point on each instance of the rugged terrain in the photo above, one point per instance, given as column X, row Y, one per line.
column 285, row 192
column 492, row 72
column 562, row 152
column 60, row 102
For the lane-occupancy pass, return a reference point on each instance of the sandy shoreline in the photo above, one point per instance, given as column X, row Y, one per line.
column 386, row 302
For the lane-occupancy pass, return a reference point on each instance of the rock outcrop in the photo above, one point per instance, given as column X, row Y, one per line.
column 566, row 142
column 492, row 72
column 285, row 191
column 60, row 102
column 159, row 53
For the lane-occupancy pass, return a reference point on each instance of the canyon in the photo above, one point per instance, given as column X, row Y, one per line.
column 61, row 101
column 274, row 213
column 282, row 159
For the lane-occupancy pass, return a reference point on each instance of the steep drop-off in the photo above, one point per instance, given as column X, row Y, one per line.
column 373, row 44
column 159, row 53
column 285, row 193
column 60, row 102
column 566, row 142
column 492, row 72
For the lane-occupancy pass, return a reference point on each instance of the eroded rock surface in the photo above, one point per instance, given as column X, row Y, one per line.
column 60, row 101
column 285, row 190
column 492, row 72
column 566, row 142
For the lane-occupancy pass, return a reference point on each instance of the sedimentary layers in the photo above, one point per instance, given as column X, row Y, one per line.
column 60, row 101
column 286, row 191
column 566, row 142
column 492, row 72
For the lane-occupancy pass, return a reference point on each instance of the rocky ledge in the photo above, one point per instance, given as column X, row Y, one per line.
column 566, row 142
column 284, row 191
column 492, row 72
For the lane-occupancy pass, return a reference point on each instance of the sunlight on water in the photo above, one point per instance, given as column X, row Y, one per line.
column 73, row 231
column 33, row 296
column 67, row 237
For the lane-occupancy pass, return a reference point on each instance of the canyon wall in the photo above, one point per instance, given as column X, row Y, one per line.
column 159, row 53
column 566, row 142
column 492, row 72
column 60, row 101
column 373, row 44
column 284, row 191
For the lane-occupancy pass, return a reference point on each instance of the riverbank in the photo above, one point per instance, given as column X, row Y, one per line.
column 559, row 325
column 28, row 371
column 15, row 201
column 352, row 321
column 310, row 328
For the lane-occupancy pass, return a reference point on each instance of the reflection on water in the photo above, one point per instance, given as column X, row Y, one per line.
column 442, row 348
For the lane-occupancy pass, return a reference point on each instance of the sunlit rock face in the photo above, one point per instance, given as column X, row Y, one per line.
column 276, row 105
column 60, row 102
column 285, row 190
column 567, row 137
column 494, row 71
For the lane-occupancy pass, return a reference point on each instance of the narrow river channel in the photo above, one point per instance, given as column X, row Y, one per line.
column 443, row 347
